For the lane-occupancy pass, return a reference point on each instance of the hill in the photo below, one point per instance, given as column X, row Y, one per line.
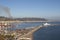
column 22, row 19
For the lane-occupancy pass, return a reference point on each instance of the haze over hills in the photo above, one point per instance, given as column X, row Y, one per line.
column 53, row 19
column 21, row 19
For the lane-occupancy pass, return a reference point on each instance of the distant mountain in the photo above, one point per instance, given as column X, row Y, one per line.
column 5, row 18
column 31, row 19
column 22, row 19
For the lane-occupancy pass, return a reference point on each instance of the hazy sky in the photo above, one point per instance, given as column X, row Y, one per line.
column 33, row 8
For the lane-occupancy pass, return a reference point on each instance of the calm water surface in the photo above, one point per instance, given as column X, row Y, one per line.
column 47, row 33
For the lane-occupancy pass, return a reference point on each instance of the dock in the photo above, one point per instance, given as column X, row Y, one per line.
column 21, row 34
column 29, row 35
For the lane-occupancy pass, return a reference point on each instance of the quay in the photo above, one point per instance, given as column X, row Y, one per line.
column 17, row 21
column 19, row 34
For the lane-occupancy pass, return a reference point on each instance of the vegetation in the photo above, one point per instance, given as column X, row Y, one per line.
column 22, row 19
column 2, row 37
column 6, row 37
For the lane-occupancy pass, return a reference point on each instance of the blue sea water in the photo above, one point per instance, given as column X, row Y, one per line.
column 45, row 33
column 48, row 33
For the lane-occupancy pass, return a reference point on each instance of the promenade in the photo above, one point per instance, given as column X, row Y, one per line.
column 22, row 34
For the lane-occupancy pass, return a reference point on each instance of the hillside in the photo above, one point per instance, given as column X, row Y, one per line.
column 22, row 19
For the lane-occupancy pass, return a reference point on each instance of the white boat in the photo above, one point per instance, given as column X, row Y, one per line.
column 46, row 24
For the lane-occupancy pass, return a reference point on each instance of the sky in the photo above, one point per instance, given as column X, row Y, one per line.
column 33, row 8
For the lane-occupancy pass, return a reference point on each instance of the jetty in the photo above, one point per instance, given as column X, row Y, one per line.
column 20, row 34
column 29, row 34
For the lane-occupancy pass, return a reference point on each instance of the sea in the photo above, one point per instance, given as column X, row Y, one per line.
column 45, row 33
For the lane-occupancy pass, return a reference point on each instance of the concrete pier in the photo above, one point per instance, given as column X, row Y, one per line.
column 24, row 34
column 29, row 35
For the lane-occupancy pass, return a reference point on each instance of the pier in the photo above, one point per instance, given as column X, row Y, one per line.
column 29, row 35
column 17, row 21
column 21, row 34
